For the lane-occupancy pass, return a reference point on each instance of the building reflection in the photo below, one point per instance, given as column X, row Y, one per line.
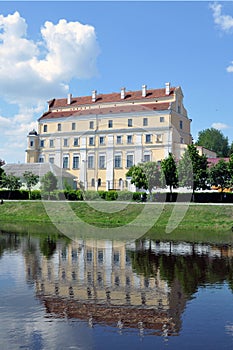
column 142, row 285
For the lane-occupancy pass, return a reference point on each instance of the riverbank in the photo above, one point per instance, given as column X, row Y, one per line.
column 207, row 223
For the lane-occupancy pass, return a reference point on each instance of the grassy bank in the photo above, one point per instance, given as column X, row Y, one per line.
column 204, row 223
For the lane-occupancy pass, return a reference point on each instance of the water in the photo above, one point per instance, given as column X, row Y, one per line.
column 60, row 294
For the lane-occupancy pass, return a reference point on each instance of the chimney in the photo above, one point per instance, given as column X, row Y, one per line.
column 144, row 90
column 94, row 95
column 122, row 93
column 167, row 89
column 69, row 98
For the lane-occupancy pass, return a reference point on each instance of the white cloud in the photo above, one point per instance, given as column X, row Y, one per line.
column 225, row 22
column 33, row 72
column 220, row 126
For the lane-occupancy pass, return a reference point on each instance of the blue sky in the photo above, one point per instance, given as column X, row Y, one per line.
column 108, row 45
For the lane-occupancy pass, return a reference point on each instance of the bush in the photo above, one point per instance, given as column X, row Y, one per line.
column 91, row 195
column 102, row 194
column 125, row 196
column 16, row 194
column 35, row 194
column 137, row 196
column 111, row 195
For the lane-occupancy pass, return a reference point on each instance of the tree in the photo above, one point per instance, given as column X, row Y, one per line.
column 169, row 169
column 31, row 180
column 145, row 175
column 138, row 177
column 49, row 183
column 10, row 182
column 220, row 175
column 2, row 162
column 214, row 140
column 193, row 169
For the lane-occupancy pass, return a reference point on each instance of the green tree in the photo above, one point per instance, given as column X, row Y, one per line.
column 169, row 170
column 31, row 180
column 219, row 175
column 145, row 175
column 10, row 182
column 193, row 169
column 214, row 140
column 2, row 162
column 138, row 177
column 49, row 183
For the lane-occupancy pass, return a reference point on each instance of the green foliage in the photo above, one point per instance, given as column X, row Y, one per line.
column 102, row 194
column 125, row 196
column 91, row 195
column 111, row 195
column 137, row 196
column 49, row 183
column 169, row 169
column 145, row 175
column 31, row 180
column 10, row 182
column 35, row 194
column 214, row 140
column 193, row 169
column 220, row 174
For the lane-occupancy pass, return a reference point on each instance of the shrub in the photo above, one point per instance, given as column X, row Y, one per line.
column 102, row 194
column 137, row 196
column 35, row 194
column 125, row 196
column 111, row 195
column 91, row 195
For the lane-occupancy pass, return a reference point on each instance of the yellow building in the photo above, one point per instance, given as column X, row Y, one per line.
column 98, row 138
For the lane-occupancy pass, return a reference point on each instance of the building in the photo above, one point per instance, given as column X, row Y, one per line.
column 98, row 138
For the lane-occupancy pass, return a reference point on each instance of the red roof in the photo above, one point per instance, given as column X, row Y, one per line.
column 108, row 110
column 113, row 97
column 213, row 161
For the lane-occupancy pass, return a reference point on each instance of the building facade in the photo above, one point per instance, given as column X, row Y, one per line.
column 98, row 138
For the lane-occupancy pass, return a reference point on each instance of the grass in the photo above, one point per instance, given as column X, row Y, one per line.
column 206, row 223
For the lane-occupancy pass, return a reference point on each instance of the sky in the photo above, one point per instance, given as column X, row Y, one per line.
column 51, row 48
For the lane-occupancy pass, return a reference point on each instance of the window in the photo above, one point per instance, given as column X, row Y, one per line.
column 102, row 140
column 145, row 121
column 99, row 182
column 65, row 162
column 119, row 140
column 51, row 143
column 93, row 182
column 91, row 125
column 51, row 160
column 159, row 138
column 45, row 128
column 91, row 141
column 117, row 161
column 146, row 158
column 181, row 124
column 90, row 162
column 129, row 139
column 58, row 127
column 178, row 109
column 130, row 122
column 65, row 142
column 148, row 138
column 89, row 255
column 181, row 140
column 75, row 162
column 41, row 159
column 41, row 143
column 101, row 162
column 110, row 123
column 75, row 141
column 100, row 256
column 31, row 143
column 161, row 119
column 73, row 126
column 129, row 161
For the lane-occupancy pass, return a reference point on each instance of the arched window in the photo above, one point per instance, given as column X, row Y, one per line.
column 92, row 182
column 99, row 182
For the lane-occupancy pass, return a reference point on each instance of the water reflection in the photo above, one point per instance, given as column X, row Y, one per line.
column 143, row 285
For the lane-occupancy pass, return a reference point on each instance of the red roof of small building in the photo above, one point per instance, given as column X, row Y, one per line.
column 213, row 161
